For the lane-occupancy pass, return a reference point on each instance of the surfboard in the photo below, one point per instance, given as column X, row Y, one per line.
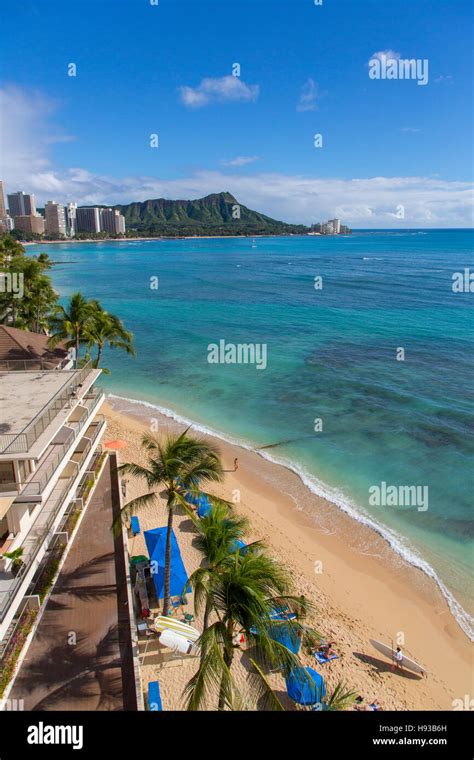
column 390, row 653
column 178, row 643
column 162, row 623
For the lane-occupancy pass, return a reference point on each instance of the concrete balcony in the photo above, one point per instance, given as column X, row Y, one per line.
column 37, row 404
column 36, row 487
column 46, row 517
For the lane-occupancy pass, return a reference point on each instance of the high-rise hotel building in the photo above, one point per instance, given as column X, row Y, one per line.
column 3, row 211
column 55, row 218
column 88, row 219
column 112, row 221
column 21, row 204
column 71, row 220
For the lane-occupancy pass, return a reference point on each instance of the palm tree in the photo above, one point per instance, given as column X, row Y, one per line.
column 243, row 594
column 103, row 328
column 340, row 698
column 9, row 247
column 217, row 533
column 178, row 464
column 40, row 302
column 69, row 323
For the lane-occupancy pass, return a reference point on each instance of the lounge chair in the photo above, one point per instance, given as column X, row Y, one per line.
column 154, row 697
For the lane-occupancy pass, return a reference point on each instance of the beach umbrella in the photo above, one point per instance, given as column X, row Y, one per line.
column 236, row 545
column 283, row 632
column 204, row 506
column 305, row 686
column 155, row 540
column 116, row 445
column 287, row 635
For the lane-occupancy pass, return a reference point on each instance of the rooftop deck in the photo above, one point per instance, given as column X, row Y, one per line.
column 36, row 404
column 26, row 393
column 90, row 600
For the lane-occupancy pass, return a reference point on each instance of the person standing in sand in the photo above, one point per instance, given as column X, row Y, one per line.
column 236, row 464
column 398, row 660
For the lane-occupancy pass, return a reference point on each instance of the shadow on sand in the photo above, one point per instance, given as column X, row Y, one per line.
column 382, row 666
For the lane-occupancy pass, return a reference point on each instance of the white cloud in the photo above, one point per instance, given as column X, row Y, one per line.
column 308, row 96
column 26, row 132
column 239, row 161
column 363, row 202
column 226, row 89
column 385, row 55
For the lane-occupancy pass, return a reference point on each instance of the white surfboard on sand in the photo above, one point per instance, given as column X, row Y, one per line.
column 390, row 653
column 162, row 623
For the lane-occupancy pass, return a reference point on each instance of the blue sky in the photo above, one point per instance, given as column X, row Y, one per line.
column 166, row 69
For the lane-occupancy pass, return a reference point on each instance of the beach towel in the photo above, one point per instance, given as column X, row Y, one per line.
column 321, row 657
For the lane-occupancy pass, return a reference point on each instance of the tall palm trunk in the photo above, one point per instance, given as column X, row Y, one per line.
column 205, row 625
column 207, row 613
column 76, row 359
column 167, row 579
column 228, row 658
column 100, row 347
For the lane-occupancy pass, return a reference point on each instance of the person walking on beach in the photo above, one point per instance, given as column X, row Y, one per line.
column 236, row 464
column 398, row 660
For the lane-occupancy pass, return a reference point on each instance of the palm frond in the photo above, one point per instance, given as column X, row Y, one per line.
column 341, row 698
column 262, row 691
column 213, row 674
column 129, row 509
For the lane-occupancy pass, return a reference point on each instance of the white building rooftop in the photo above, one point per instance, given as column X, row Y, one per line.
column 36, row 403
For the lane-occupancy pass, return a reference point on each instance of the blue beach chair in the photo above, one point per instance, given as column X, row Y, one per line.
column 154, row 697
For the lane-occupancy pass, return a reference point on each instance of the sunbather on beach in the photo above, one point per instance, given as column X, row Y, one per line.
column 372, row 707
column 327, row 650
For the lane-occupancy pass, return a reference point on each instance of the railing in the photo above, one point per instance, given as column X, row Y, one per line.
column 43, row 476
column 29, row 557
column 36, row 487
column 91, row 400
column 18, row 442
column 33, row 365
column 9, row 487
column 98, row 424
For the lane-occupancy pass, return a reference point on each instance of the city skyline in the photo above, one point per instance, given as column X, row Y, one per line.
column 58, row 219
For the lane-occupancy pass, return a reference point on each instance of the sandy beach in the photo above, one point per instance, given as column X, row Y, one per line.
column 361, row 588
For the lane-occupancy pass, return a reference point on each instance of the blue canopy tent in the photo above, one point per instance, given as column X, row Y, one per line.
column 283, row 633
column 305, row 686
column 204, row 506
column 287, row 635
column 236, row 545
column 156, row 545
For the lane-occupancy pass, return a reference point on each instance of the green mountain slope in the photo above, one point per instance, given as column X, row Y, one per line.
column 216, row 214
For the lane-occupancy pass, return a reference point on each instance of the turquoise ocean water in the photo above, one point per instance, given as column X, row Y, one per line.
column 331, row 355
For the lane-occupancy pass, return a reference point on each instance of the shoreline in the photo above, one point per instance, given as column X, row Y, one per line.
column 394, row 541
column 365, row 588
column 182, row 237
